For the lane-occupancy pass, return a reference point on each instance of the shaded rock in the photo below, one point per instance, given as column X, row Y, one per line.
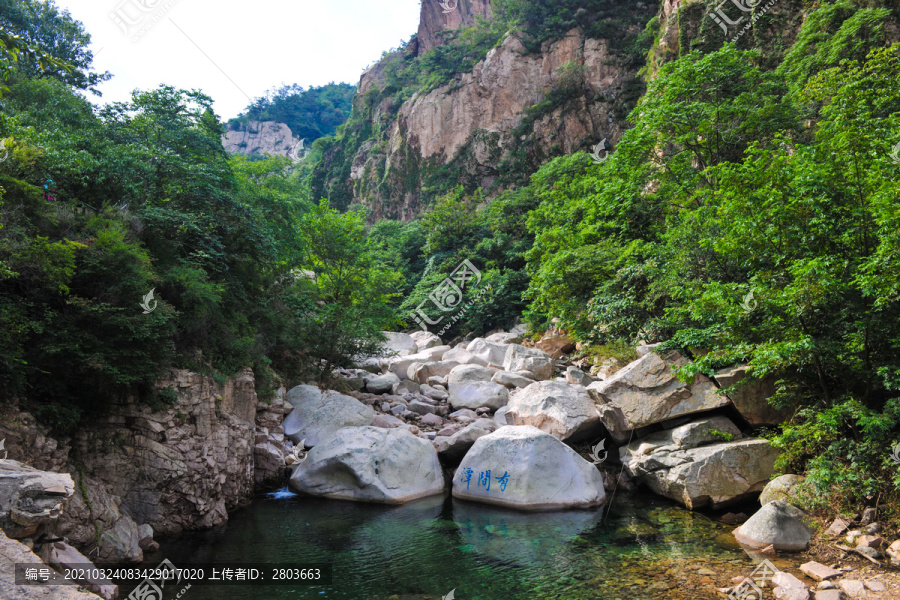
column 61, row 556
column 500, row 416
column 369, row 464
column 525, row 468
column 30, row 499
column 457, row 444
column 475, row 394
column 751, row 396
column 431, row 419
column 871, row 541
column 852, row 587
column 564, row 411
column 464, row 412
column 869, row 516
column 647, row 392
column 780, row 488
column 13, row 553
column 777, row 523
column 382, row 384
column 536, row 362
column 318, row 418
column 405, row 387
column 576, row 376
column 511, row 380
column 434, row 393
column 302, row 394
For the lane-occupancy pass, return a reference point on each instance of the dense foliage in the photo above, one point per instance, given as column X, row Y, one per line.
column 101, row 207
column 310, row 113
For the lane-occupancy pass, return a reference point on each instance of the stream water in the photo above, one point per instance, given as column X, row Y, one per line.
column 642, row 548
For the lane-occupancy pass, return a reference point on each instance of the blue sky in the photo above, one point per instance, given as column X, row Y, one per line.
column 228, row 49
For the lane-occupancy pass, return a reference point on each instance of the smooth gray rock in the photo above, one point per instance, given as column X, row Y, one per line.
column 368, row 464
column 434, row 393
column 455, row 447
column 466, row 373
column 382, row 384
column 525, row 468
column 777, row 523
column 318, row 418
column 575, row 376
column 564, row 411
column 475, row 394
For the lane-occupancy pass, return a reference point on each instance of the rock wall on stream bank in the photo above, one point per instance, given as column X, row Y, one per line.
column 138, row 472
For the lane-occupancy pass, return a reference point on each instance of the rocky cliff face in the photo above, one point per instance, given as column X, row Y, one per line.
column 175, row 469
column 444, row 15
column 261, row 137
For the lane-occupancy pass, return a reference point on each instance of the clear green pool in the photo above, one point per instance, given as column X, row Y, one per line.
column 643, row 548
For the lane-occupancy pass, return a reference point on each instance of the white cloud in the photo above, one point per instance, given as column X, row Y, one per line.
column 258, row 45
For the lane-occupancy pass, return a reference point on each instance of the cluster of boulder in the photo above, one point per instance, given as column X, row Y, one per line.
column 503, row 417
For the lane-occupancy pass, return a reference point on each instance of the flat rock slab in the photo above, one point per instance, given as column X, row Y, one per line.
column 30, row 498
column 818, row 571
column 715, row 475
column 562, row 410
column 523, row 467
column 475, row 394
column 788, row 587
column 647, row 392
column 830, row 595
column 317, row 417
column 368, row 464
column 853, row 587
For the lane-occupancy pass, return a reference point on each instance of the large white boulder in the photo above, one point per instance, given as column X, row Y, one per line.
column 475, row 394
column 562, row 410
column 317, row 417
column 490, row 352
column 425, row 339
column 523, row 467
column 647, row 392
column 464, row 373
column 399, row 344
column 368, row 464
column 536, row 362
column 464, row 357
column 778, row 524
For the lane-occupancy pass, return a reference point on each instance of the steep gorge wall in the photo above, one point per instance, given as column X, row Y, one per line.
column 180, row 468
column 488, row 128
